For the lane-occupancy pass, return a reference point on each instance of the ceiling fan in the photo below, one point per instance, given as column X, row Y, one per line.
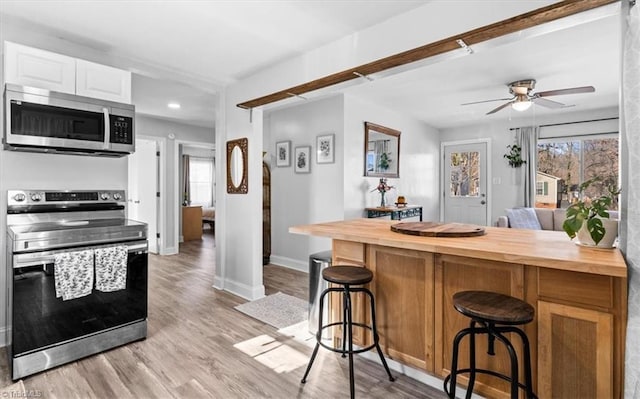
column 523, row 96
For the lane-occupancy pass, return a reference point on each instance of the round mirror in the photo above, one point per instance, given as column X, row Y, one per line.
column 236, row 166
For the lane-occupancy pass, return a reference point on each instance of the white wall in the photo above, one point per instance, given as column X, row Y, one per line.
column 239, row 216
column 419, row 167
column 630, row 226
column 507, row 183
column 304, row 198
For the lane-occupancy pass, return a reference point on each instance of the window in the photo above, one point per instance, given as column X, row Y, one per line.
column 573, row 160
column 465, row 174
column 201, row 181
column 542, row 188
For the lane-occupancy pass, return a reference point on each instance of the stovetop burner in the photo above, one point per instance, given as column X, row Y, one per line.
column 40, row 220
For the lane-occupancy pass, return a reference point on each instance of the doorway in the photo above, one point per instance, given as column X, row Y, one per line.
column 465, row 172
column 143, row 199
column 195, row 190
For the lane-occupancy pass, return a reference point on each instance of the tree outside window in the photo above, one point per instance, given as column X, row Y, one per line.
column 574, row 160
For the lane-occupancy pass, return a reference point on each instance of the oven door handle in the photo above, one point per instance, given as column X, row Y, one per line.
column 43, row 258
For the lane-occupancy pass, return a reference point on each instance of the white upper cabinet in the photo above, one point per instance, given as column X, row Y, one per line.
column 101, row 81
column 27, row 66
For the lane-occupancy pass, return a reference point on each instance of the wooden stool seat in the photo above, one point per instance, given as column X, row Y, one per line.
column 495, row 315
column 493, row 307
column 347, row 275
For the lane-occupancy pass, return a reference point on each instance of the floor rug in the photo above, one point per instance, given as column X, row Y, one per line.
column 278, row 310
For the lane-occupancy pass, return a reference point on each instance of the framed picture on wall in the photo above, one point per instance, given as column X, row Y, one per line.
column 302, row 159
column 283, row 153
column 325, row 148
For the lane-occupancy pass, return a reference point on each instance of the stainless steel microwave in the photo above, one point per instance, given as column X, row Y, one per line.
column 38, row 120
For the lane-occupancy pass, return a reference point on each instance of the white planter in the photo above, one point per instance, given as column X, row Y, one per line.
column 611, row 233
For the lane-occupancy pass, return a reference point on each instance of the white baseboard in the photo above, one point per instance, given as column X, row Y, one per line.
column 242, row 290
column 415, row 374
column 169, row 251
column 290, row 263
column 3, row 336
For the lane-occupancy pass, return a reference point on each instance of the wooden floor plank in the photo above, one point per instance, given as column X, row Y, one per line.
column 189, row 351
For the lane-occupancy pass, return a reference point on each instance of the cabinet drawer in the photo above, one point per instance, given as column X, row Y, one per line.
column 345, row 252
column 582, row 288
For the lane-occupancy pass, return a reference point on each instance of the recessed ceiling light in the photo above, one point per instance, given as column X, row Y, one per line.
column 173, row 105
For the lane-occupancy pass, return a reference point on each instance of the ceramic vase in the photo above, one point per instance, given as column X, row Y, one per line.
column 611, row 228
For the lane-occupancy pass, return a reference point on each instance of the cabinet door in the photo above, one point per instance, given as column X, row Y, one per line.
column 27, row 66
column 454, row 274
column 101, row 81
column 403, row 289
column 575, row 352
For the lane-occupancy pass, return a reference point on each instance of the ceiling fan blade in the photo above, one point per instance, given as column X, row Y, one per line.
column 488, row 101
column 573, row 90
column 493, row 111
column 549, row 104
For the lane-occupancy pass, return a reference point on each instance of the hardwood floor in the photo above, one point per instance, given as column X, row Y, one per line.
column 189, row 352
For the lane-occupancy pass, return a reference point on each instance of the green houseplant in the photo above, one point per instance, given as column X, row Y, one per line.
column 514, row 156
column 591, row 215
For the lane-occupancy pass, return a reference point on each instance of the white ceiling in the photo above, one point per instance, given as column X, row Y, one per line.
column 582, row 55
column 185, row 51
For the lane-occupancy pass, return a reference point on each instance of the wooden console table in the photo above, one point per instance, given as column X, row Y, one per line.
column 397, row 213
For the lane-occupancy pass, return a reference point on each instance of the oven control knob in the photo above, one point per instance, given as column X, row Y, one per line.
column 105, row 196
column 117, row 196
column 35, row 197
column 19, row 197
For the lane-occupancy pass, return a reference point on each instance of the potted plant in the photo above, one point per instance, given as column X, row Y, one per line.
column 589, row 218
column 514, row 156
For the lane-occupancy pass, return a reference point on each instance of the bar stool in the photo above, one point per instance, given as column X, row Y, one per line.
column 346, row 277
column 496, row 314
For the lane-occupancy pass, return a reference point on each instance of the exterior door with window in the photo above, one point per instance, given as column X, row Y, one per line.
column 465, row 183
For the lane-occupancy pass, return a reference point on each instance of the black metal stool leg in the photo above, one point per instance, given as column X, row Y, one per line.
column 527, row 364
column 472, row 359
column 344, row 325
column 318, row 337
column 376, row 337
column 451, row 378
column 347, row 299
column 514, row 363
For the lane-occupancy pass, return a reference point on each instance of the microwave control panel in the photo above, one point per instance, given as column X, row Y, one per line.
column 121, row 129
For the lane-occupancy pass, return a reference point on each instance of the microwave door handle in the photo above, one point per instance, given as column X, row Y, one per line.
column 107, row 128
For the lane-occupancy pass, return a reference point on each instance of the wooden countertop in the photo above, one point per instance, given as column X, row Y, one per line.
column 543, row 248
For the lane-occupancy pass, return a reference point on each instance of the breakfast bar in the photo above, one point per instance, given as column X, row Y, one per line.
column 579, row 295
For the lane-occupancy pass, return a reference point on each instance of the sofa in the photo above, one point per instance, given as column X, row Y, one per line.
column 549, row 219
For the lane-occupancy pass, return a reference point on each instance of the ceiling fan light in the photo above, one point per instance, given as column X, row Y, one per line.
column 521, row 105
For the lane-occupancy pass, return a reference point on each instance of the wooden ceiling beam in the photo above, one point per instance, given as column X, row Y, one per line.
column 520, row 22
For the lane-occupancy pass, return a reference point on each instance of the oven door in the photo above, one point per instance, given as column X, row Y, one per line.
column 40, row 320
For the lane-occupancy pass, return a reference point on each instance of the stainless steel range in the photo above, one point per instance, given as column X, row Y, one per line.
column 76, row 277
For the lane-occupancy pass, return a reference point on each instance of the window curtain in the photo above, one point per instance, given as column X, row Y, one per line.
column 631, row 226
column 186, row 191
column 527, row 139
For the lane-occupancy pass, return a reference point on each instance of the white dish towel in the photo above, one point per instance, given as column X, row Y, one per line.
column 111, row 268
column 73, row 274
